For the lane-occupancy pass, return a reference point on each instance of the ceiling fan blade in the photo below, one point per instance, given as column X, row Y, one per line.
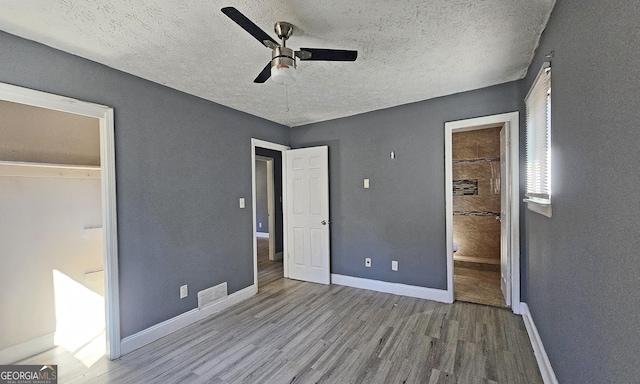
column 327, row 54
column 248, row 26
column 264, row 75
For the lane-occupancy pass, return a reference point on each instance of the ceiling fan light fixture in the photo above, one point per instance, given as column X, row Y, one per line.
column 283, row 66
column 283, row 74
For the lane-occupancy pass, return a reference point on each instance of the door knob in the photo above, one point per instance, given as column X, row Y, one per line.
column 324, row 222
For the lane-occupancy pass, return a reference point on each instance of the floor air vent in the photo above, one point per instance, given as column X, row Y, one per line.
column 212, row 295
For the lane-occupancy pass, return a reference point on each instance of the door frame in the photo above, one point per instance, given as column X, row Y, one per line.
column 511, row 122
column 104, row 114
column 280, row 148
column 270, row 205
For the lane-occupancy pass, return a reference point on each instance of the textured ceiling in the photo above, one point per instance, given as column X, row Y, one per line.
column 408, row 50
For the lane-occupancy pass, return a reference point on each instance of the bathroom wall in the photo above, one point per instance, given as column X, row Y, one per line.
column 476, row 195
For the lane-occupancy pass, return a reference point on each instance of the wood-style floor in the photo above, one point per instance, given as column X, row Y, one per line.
column 268, row 271
column 297, row 332
column 475, row 284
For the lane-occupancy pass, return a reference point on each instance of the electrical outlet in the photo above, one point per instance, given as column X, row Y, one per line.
column 394, row 265
column 367, row 262
column 184, row 291
column 259, row 225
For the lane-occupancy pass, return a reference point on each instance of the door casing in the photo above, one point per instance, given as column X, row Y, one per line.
column 104, row 114
column 511, row 122
column 276, row 147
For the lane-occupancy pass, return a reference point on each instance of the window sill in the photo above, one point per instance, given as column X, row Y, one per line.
column 540, row 206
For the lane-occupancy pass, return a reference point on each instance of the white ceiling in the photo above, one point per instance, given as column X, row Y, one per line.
column 408, row 50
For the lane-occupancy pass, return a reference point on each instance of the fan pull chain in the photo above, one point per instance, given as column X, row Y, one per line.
column 286, row 94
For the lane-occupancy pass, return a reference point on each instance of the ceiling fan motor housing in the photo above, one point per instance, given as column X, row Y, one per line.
column 283, row 65
column 282, row 68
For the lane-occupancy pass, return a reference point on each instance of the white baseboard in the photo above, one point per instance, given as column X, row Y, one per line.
column 548, row 376
column 440, row 295
column 262, row 235
column 278, row 256
column 153, row 333
column 28, row 348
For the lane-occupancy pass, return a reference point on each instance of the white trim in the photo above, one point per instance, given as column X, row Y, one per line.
column 262, row 235
column 271, row 209
column 153, row 333
column 448, row 197
column 108, row 183
column 511, row 121
column 285, row 219
column 440, row 295
column 43, row 170
column 542, row 207
column 27, row 349
column 548, row 376
column 276, row 147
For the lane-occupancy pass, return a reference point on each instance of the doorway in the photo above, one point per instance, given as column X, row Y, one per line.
column 305, row 205
column 105, row 177
column 268, row 216
column 498, row 213
column 476, row 213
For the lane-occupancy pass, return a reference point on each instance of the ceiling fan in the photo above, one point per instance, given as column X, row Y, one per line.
column 282, row 67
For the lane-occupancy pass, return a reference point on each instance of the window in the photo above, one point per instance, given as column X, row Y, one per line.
column 538, row 150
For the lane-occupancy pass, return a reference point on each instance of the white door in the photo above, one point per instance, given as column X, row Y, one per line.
column 505, row 235
column 307, row 205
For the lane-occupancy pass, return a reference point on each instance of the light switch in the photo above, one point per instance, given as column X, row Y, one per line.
column 394, row 265
column 242, row 202
column 366, row 183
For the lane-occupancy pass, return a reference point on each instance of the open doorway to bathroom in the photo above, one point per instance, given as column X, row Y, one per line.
column 476, row 171
column 475, row 165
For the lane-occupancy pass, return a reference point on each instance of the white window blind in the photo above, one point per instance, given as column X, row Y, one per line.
column 538, row 138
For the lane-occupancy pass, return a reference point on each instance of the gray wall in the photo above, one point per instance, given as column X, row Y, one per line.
column 181, row 162
column 262, row 205
column 277, row 190
column 402, row 216
column 584, row 269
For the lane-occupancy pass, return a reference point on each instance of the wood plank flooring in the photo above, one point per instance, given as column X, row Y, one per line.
column 268, row 271
column 297, row 332
column 475, row 284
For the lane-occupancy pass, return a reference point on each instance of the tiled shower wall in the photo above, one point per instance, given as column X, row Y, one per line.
column 476, row 194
